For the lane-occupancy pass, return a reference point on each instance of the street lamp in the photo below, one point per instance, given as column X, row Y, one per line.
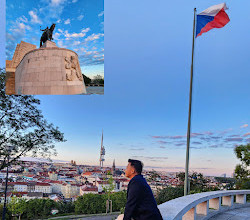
column 8, row 149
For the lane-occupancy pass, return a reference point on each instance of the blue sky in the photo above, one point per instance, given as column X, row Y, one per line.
column 79, row 27
column 144, row 110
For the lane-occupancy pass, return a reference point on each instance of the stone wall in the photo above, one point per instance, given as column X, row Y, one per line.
column 20, row 51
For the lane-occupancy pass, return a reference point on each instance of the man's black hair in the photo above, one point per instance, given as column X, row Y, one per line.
column 138, row 165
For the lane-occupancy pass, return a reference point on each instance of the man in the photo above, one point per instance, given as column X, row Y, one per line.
column 141, row 204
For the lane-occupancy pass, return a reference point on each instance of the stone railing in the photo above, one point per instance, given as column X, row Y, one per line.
column 202, row 206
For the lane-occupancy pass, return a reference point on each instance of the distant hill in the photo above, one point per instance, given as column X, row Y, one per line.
column 36, row 159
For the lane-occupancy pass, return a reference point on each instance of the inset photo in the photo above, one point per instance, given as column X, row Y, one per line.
column 54, row 47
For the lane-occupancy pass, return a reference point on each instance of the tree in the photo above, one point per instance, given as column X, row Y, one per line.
column 197, row 182
column 169, row 193
column 90, row 204
column 95, row 203
column 65, row 207
column 98, row 79
column 118, row 200
column 17, row 206
column 242, row 172
column 230, row 182
column 24, row 127
column 8, row 214
column 108, row 189
column 86, row 79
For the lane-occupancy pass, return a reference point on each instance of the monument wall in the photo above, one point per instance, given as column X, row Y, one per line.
column 49, row 70
column 20, row 51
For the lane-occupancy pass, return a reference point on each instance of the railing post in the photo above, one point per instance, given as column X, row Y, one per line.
column 202, row 208
column 190, row 215
column 241, row 198
column 215, row 203
column 228, row 200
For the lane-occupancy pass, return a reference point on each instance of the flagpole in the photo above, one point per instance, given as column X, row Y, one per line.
column 186, row 184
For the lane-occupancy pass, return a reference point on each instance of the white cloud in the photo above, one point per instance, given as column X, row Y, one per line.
column 56, row 36
column 244, row 126
column 60, row 43
column 53, row 10
column 28, row 27
column 80, row 17
column 94, row 37
column 67, row 21
column 22, row 19
column 34, row 17
column 56, row 2
column 58, row 21
column 74, row 1
column 85, row 30
column 99, row 56
column 75, row 43
column 102, row 25
column 81, row 34
column 82, row 49
column 90, row 53
column 20, row 28
column 101, row 14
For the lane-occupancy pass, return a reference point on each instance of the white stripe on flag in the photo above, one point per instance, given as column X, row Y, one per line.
column 213, row 10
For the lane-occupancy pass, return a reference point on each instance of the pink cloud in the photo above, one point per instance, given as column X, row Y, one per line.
column 247, row 134
column 244, row 126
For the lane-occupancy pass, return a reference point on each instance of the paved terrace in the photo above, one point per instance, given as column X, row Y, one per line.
column 235, row 214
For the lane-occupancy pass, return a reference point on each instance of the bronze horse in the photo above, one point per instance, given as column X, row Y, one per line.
column 47, row 34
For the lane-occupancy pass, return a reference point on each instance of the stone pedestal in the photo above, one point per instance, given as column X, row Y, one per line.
column 48, row 44
column 49, row 70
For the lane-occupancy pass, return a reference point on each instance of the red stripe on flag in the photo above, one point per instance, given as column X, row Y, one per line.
column 220, row 20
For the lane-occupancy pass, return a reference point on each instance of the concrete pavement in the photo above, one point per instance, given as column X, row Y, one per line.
column 235, row 214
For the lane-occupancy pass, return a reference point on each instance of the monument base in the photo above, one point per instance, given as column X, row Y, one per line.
column 49, row 70
column 48, row 44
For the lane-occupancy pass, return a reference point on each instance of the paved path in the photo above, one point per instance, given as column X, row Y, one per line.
column 111, row 217
column 88, row 217
column 236, row 214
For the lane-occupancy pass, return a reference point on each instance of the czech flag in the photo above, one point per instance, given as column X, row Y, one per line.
column 213, row 17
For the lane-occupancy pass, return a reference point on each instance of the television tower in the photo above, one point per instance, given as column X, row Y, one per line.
column 102, row 152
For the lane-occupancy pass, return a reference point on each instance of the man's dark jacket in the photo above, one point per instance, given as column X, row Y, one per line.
column 141, row 204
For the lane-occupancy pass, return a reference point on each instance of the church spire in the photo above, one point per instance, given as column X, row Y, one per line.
column 113, row 167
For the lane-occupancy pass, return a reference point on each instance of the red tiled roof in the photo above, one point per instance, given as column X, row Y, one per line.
column 56, row 181
column 87, row 174
column 17, row 183
column 29, row 175
column 19, row 193
column 89, row 188
column 75, row 185
column 103, row 182
column 42, row 184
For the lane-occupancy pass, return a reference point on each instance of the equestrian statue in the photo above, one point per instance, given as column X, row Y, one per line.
column 47, row 34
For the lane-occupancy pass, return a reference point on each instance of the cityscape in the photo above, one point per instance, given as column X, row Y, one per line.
column 65, row 181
